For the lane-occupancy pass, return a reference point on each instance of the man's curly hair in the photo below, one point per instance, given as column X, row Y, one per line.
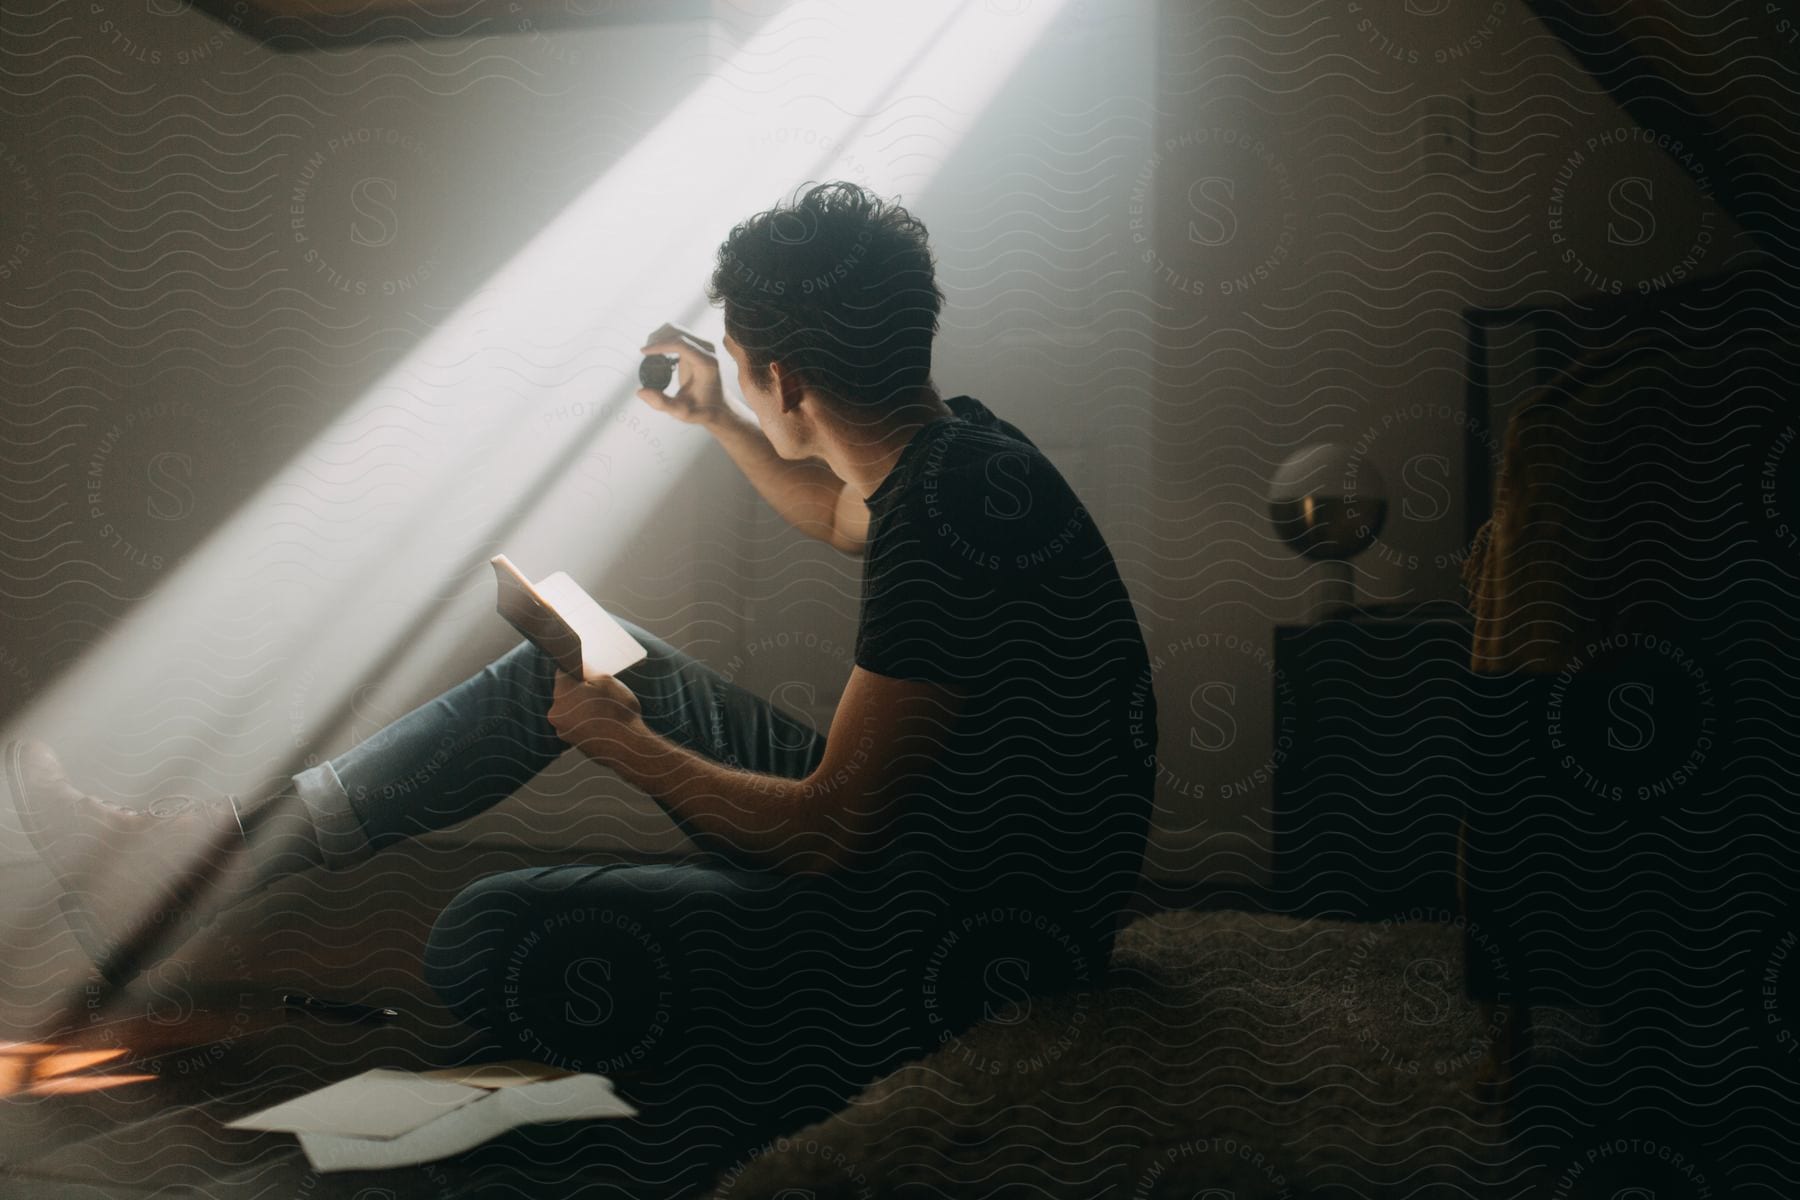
column 838, row 286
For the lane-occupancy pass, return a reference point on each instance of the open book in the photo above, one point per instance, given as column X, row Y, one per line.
column 557, row 616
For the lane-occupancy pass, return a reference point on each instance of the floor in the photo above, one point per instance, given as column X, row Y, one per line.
column 163, row 1133
column 134, row 1102
column 132, row 1099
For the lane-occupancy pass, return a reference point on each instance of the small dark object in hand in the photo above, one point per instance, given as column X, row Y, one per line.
column 656, row 370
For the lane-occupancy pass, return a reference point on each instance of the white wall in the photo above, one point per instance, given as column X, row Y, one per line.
column 1182, row 240
column 221, row 254
column 238, row 261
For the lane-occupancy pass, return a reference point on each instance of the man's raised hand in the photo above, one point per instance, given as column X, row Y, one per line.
column 699, row 397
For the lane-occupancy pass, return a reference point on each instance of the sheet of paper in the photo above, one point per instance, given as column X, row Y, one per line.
column 575, row 1098
column 510, row 1073
column 376, row 1104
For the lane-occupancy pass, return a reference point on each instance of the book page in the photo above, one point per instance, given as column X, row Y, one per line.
column 606, row 649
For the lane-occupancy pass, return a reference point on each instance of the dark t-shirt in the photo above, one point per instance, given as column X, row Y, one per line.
column 985, row 573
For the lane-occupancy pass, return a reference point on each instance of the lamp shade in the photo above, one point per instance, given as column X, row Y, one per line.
column 1327, row 503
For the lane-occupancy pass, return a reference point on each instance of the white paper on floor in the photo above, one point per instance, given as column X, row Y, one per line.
column 572, row 1098
column 376, row 1104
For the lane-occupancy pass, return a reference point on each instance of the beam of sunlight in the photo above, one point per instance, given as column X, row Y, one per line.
column 494, row 432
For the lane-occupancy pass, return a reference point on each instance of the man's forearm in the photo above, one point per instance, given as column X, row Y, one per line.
column 805, row 493
column 741, row 815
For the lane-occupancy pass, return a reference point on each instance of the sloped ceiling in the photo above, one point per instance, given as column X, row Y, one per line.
column 316, row 24
column 1720, row 79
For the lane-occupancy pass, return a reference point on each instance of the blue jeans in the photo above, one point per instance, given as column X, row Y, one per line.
column 727, row 975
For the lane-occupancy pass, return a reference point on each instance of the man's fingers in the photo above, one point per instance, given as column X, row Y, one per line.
column 671, row 339
column 670, row 331
column 679, row 346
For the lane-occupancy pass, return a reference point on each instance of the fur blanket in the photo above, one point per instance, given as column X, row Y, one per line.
column 1261, row 1055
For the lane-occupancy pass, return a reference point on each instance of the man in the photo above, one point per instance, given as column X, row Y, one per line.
column 967, row 834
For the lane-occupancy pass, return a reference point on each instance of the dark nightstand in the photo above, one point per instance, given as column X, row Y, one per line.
column 1368, row 800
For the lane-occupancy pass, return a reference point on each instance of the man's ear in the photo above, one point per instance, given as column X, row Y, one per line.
column 789, row 389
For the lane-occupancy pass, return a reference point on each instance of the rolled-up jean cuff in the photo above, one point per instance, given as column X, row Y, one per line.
column 342, row 839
